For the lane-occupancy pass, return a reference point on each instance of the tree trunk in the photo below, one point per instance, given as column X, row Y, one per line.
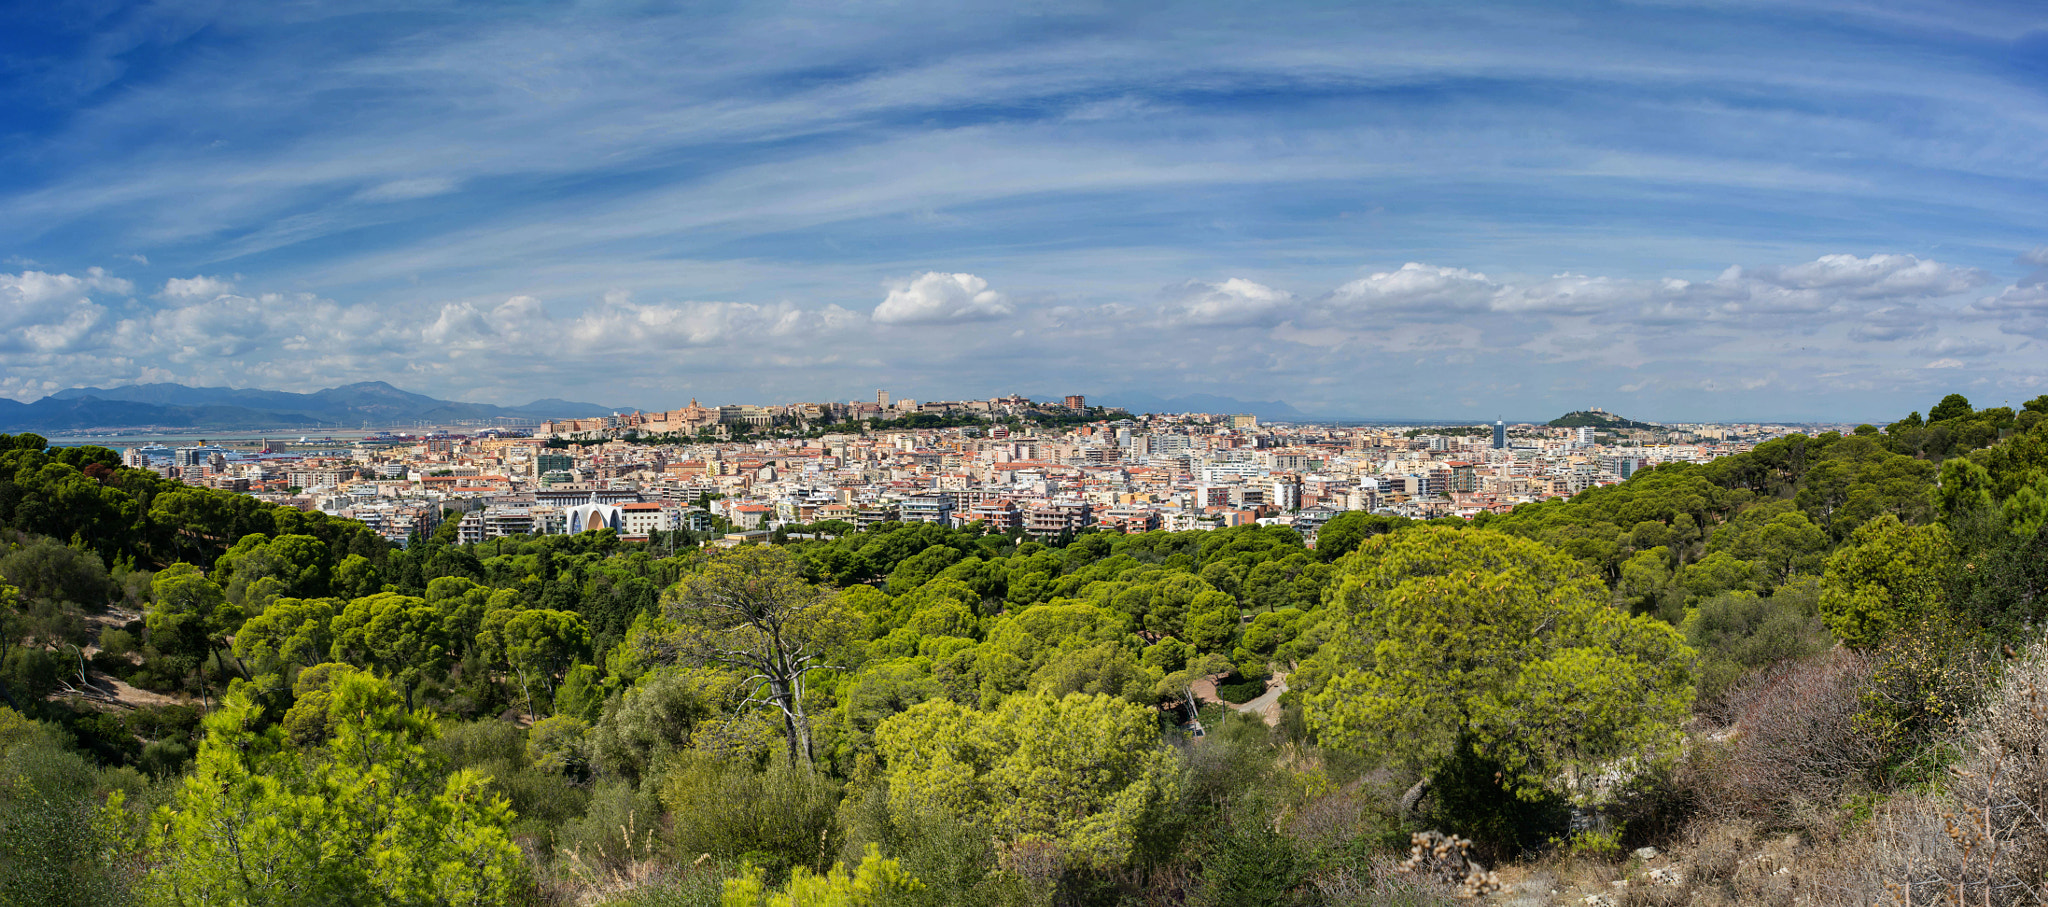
column 795, row 725
column 1413, row 797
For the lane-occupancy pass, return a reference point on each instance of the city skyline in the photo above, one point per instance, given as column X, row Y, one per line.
column 1811, row 212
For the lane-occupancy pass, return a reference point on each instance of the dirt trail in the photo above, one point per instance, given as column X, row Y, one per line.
column 1267, row 706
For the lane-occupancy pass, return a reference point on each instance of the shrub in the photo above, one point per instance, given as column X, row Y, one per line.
column 1921, row 686
column 1798, row 748
column 1738, row 632
column 1240, row 689
column 1983, row 838
column 778, row 818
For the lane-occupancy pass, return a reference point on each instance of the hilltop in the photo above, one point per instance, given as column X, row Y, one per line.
column 1597, row 418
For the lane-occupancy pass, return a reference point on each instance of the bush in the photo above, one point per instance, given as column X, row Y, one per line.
column 1983, row 837
column 621, row 827
column 1738, row 632
column 1467, row 798
column 1922, row 685
column 1238, row 688
column 778, row 817
column 1799, row 748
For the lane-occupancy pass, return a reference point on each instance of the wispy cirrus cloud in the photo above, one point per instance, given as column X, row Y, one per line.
column 420, row 189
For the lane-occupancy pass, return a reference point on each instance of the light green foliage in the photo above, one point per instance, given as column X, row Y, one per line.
column 1645, row 580
column 877, row 883
column 1888, row 578
column 1107, row 668
column 1446, row 639
column 1717, row 573
column 398, row 634
column 879, row 690
column 2026, row 512
column 365, row 819
column 654, row 717
column 920, row 568
column 298, row 565
column 1212, row 621
column 288, row 635
column 1965, row 490
column 463, row 604
column 1346, row 531
column 560, row 745
column 356, row 577
column 1775, row 536
column 941, row 617
column 189, row 616
column 1021, row 643
column 1168, row 655
column 1857, row 480
column 1080, row 774
column 541, row 644
column 777, row 816
column 1271, row 631
column 582, row 692
column 873, row 607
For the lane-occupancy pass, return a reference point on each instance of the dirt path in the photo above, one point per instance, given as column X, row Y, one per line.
column 1267, row 706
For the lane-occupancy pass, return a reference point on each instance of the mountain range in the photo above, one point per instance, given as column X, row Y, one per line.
column 178, row 406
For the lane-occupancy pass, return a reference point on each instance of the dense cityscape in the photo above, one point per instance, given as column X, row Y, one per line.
column 940, row 453
column 1012, row 465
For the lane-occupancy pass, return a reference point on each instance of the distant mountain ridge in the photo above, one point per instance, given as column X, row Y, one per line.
column 179, row 406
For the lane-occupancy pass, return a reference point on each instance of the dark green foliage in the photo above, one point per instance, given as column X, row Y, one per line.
column 1239, row 688
column 1248, row 865
column 1739, row 632
column 1466, row 797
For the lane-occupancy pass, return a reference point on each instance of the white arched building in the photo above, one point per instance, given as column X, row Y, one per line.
column 586, row 517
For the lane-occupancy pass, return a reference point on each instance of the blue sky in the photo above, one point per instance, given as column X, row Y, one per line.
column 1675, row 210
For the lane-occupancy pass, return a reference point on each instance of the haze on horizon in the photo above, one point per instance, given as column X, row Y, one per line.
column 1674, row 210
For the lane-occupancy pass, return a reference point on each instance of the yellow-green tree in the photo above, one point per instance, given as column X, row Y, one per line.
column 1446, row 638
column 877, row 883
column 365, row 816
column 1889, row 577
column 1080, row 774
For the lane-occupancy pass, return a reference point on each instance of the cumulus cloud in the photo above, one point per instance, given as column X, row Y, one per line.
column 1877, row 277
column 47, row 313
column 938, row 298
column 199, row 286
column 1648, row 336
column 1418, row 287
column 1236, row 302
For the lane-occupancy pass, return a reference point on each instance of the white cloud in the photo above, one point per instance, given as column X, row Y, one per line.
column 1876, row 277
column 407, row 189
column 938, row 298
column 199, row 286
column 1235, row 302
column 1899, row 322
column 1418, row 287
column 47, row 313
column 1944, row 363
